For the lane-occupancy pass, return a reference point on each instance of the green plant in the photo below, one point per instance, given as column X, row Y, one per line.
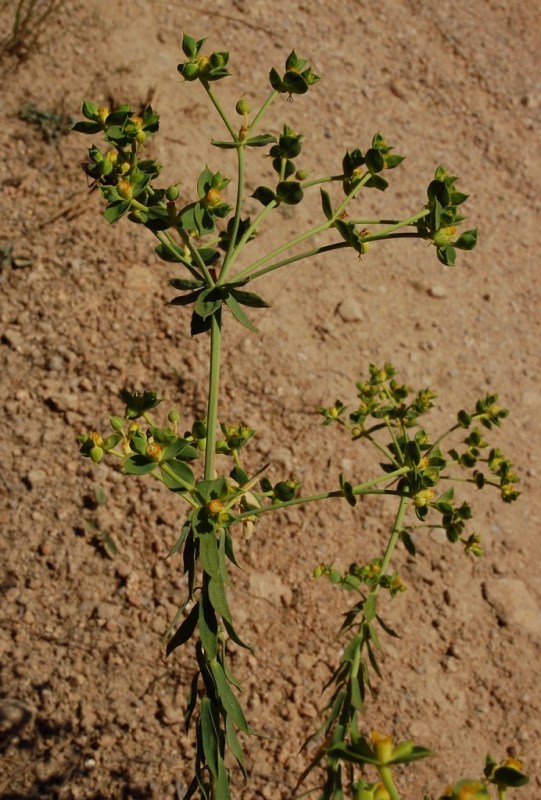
column 28, row 20
column 50, row 124
column 203, row 463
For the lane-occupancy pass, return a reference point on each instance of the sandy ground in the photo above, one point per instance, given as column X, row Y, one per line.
column 89, row 706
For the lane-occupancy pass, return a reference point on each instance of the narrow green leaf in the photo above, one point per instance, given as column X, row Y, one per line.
column 233, row 745
column 369, row 606
column 239, row 314
column 208, row 627
column 227, row 698
column 225, row 145
column 208, row 553
column 185, row 631
column 184, row 283
column 249, row 299
column 87, row 127
column 218, row 598
column 260, row 141
column 326, row 204
column 222, row 784
column 181, row 539
column 355, row 694
column 347, row 490
column 233, row 635
column 191, row 702
column 209, row 736
column 387, row 628
column 373, row 660
column 408, row 543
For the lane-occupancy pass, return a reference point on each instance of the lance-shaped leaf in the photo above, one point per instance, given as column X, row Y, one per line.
column 250, row 299
column 185, row 631
column 227, row 698
column 326, row 204
column 236, row 309
column 209, row 736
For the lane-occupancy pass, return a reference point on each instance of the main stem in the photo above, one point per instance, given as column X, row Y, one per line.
column 214, row 389
column 387, row 779
column 397, row 527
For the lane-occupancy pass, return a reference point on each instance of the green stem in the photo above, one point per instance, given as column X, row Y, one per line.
column 262, row 111
column 172, row 474
column 362, row 488
column 247, row 271
column 231, row 245
column 382, row 448
column 386, row 232
column 318, row 181
column 197, row 258
column 220, row 111
column 249, row 231
column 214, row 385
column 395, row 533
column 446, row 434
column 300, row 257
column 387, row 779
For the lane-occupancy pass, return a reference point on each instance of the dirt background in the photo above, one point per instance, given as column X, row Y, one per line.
column 89, row 706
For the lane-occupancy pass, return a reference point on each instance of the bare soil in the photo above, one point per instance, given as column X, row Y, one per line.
column 89, row 707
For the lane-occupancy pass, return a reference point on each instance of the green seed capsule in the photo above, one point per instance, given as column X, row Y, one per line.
column 190, row 71
column 172, row 192
column 96, row 454
column 243, row 107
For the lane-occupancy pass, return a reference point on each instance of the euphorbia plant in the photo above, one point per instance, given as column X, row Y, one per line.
column 209, row 242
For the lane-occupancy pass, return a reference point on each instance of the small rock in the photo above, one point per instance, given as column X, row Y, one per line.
column 14, row 716
column 350, row 310
column 106, row 610
column 514, row 605
column 14, row 338
column 139, row 279
column 437, row 292
column 36, row 477
column 269, row 586
column 398, row 88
